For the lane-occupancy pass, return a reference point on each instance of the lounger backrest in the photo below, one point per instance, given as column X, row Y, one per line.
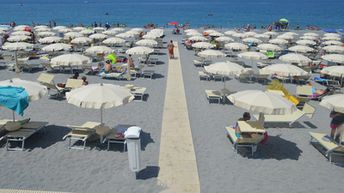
column 74, row 83
column 309, row 110
column 45, row 78
column 304, row 90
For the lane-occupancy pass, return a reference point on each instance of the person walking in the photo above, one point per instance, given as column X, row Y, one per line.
column 170, row 48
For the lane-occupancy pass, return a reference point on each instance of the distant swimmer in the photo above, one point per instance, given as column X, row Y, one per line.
column 107, row 13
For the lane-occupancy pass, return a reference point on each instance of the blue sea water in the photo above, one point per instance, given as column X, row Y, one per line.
column 221, row 13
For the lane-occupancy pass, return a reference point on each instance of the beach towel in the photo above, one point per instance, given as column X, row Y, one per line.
column 14, row 98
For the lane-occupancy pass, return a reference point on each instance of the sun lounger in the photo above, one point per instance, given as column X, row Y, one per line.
column 330, row 147
column 81, row 133
column 114, row 75
column 148, row 74
column 138, row 92
column 116, row 135
column 204, row 75
column 213, row 95
column 307, row 110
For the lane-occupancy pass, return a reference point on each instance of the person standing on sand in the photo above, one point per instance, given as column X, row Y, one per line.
column 170, row 48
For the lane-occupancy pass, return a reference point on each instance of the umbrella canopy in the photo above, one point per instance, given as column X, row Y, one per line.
column 197, row 38
column 332, row 35
column 21, row 27
column 78, row 29
column 211, row 54
column 332, row 42
column 333, row 71
column 193, row 33
column 72, row 35
column 230, row 32
column 264, row 36
column 262, row 102
column 285, row 37
column 239, row 35
column 81, row 40
column 111, row 32
column 284, row 70
column 269, row 47
column 301, row 49
column 252, row 40
column 306, row 42
column 308, row 38
column 56, row 47
column 99, row 96
column 114, row 41
column 125, row 35
column 150, row 36
column 334, row 102
column 250, row 34
column 328, row 38
column 224, row 68
column 14, row 98
column 99, row 29
column 216, row 34
column 334, row 49
column 49, row 40
column 311, row 34
column 17, row 46
column 42, row 29
column 295, row 58
column 224, row 39
column 253, row 56
column 139, row 50
column 337, row 58
column 20, row 33
column 98, row 36
column 203, row 45
column 147, row 42
column 236, row 46
column 45, row 34
column 87, row 32
column 34, row 89
column 70, row 60
column 59, row 27
column 94, row 50
column 270, row 33
column 18, row 38
column 278, row 41
column 65, row 30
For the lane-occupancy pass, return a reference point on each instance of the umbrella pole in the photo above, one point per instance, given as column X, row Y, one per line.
column 101, row 115
column 16, row 59
column 13, row 116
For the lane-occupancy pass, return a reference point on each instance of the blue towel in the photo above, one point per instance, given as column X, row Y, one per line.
column 14, row 98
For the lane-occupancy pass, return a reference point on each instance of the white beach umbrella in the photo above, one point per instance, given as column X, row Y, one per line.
column 286, row 37
column 224, row 39
column 202, row 45
column 49, row 40
column 271, row 33
column 110, row 32
column 311, row 34
column 264, row 36
column 133, row 33
column 65, row 30
column 87, row 32
column 17, row 47
column 99, row 29
column 70, row 60
column 94, row 50
column 262, row 102
column 59, row 27
column 253, row 56
column 197, row 38
column 250, row 34
column 34, row 89
column 230, row 32
column 295, row 58
column 98, row 36
column 119, row 29
column 139, row 50
column 113, row 41
column 125, row 35
column 211, row 54
column 147, row 42
column 209, row 31
column 99, row 96
column 337, row 71
column 308, row 38
column 285, row 70
column 81, row 40
column 21, row 27
column 45, row 34
column 19, row 38
column 239, row 35
column 337, row 58
column 252, row 40
column 334, row 49
column 332, row 35
column 78, row 29
column 224, row 68
column 42, row 29
column 329, row 38
column 278, row 41
column 72, row 35
column 137, row 29
column 2, row 32
column 290, row 34
column 150, row 36
column 216, row 34
column 328, row 43
column 269, row 47
column 20, row 33
column 306, row 42
column 190, row 30
column 334, row 102
column 301, row 49
column 236, row 46
column 57, row 47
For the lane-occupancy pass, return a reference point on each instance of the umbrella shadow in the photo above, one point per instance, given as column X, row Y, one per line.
column 148, row 173
column 295, row 125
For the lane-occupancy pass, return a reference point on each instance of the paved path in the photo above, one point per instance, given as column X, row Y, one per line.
column 177, row 161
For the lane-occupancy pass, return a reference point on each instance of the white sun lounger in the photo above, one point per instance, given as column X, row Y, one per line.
column 81, row 133
column 213, row 95
column 330, row 147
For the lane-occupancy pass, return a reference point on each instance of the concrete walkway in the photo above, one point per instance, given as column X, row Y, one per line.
column 177, row 161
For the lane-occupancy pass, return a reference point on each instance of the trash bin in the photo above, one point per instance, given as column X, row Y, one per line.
column 132, row 136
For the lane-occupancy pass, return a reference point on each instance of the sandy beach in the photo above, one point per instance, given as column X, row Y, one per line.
column 286, row 163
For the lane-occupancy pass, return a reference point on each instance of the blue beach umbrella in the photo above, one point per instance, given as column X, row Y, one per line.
column 14, row 98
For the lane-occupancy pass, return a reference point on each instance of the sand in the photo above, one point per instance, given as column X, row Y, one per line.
column 286, row 163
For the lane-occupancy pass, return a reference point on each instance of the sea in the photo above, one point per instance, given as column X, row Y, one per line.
column 197, row 13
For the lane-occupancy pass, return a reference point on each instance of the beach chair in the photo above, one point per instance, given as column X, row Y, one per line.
column 204, row 75
column 138, row 92
column 263, row 78
column 80, row 133
column 307, row 110
column 116, row 135
column 213, row 95
column 148, row 74
column 329, row 147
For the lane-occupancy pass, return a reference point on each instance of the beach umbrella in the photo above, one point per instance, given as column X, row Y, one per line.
column 65, row 30
column 311, row 34
column 301, row 49
column 133, row 33
column 21, row 27
column 264, row 36
column 216, row 34
column 17, row 47
column 197, row 38
column 236, row 46
column 284, row 70
column 253, row 56
column 203, row 45
column 119, row 29
column 332, row 35
column 87, row 32
column 99, row 96
column 72, row 35
column 308, row 38
column 14, row 98
column 295, row 58
column 139, row 50
column 252, row 40
column 40, row 27
column 290, row 34
column 57, row 47
column 20, row 33
column 45, row 34
column 147, row 42
column 285, row 37
column 70, row 60
column 113, row 41
column 230, row 32
column 224, row 39
column 328, row 43
column 330, row 38
column 224, row 68
column 239, row 35
column 98, row 36
column 262, row 102
column 270, row 33
column 49, row 40
column 333, row 102
column 209, row 31
column 337, row 58
column 110, row 32
column 81, row 40
column 278, row 41
column 269, row 47
column 250, row 34
column 150, row 36
column 306, row 42
column 190, row 30
column 18, row 38
column 99, row 29
column 78, row 29
column 337, row 71
column 42, row 30
column 94, row 50
column 59, row 27
column 211, row 54
column 334, row 49
column 125, row 35
column 137, row 29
